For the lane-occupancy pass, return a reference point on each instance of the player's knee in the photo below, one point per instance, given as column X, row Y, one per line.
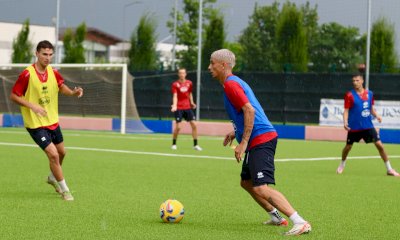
column 54, row 158
column 62, row 153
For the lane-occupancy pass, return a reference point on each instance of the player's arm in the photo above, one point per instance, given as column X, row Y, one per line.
column 348, row 103
column 229, row 138
column 375, row 114
column 39, row 110
column 192, row 104
column 346, row 119
column 174, row 102
column 248, row 113
column 19, row 90
column 77, row 91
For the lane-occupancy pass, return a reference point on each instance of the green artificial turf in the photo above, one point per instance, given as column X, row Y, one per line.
column 119, row 182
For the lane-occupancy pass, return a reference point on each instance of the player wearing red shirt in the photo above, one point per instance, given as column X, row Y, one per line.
column 182, row 105
column 257, row 141
column 36, row 91
column 357, row 119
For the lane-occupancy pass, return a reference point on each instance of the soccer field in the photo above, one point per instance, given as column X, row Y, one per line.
column 119, row 182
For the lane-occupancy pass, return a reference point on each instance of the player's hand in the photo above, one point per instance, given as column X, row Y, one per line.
column 173, row 108
column 229, row 138
column 346, row 127
column 379, row 118
column 78, row 91
column 239, row 150
column 39, row 110
column 193, row 105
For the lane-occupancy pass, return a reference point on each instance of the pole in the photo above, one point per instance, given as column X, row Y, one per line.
column 199, row 59
column 174, row 44
column 368, row 46
column 123, row 28
column 57, row 55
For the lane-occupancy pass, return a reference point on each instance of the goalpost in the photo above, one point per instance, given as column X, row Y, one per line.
column 108, row 94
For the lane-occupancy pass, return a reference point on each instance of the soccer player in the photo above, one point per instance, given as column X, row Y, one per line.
column 257, row 138
column 357, row 119
column 182, row 105
column 36, row 91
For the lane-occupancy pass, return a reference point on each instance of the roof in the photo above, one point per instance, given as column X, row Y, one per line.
column 95, row 35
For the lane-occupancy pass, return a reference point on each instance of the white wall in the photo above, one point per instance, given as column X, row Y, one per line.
column 9, row 32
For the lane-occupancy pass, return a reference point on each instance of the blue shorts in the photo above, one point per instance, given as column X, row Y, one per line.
column 186, row 114
column 258, row 164
column 43, row 136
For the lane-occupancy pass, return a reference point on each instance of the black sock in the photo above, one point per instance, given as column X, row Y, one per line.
column 173, row 141
column 194, row 142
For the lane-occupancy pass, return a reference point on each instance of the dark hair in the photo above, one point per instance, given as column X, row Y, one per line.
column 357, row 75
column 44, row 44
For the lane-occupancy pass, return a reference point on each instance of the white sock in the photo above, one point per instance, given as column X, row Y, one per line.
column 388, row 166
column 275, row 216
column 343, row 163
column 296, row 218
column 52, row 178
column 63, row 186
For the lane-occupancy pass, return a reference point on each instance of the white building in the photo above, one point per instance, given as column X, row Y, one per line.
column 9, row 32
column 100, row 47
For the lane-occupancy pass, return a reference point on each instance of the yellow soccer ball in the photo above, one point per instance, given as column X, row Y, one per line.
column 172, row 211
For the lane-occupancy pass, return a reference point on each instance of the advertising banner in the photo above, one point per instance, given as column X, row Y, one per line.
column 331, row 113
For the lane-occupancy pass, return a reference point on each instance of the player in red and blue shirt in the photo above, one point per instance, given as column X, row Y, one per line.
column 357, row 119
column 257, row 139
column 182, row 105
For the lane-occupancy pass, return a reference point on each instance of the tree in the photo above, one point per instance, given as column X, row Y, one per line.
column 258, row 39
column 383, row 53
column 291, row 39
column 22, row 47
column 142, row 54
column 336, row 48
column 73, row 45
column 310, row 23
column 214, row 37
column 187, row 30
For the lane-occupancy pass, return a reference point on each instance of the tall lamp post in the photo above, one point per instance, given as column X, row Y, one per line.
column 123, row 26
column 200, row 30
column 57, row 54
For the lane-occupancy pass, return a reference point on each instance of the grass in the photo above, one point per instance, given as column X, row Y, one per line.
column 119, row 183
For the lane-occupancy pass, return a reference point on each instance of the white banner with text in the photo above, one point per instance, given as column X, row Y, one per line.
column 331, row 113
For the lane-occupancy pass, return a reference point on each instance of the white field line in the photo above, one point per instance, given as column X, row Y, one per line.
column 127, row 136
column 190, row 156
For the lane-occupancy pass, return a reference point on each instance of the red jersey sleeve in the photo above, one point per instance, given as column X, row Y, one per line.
column 60, row 79
column 191, row 87
column 348, row 100
column 21, row 84
column 235, row 94
column 174, row 88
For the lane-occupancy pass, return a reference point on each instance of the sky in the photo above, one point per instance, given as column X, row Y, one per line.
column 120, row 17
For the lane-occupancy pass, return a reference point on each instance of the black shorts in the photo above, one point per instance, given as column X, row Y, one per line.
column 258, row 164
column 369, row 135
column 186, row 114
column 43, row 136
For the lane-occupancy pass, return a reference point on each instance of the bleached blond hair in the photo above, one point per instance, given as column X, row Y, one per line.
column 224, row 55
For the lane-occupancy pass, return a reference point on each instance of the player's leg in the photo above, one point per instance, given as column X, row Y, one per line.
column 351, row 138
column 276, row 218
column 261, row 166
column 371, row 135
column 178, row 120
column 385, row 158
column 58, row 143
column 190, row 117
column 194, row 135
